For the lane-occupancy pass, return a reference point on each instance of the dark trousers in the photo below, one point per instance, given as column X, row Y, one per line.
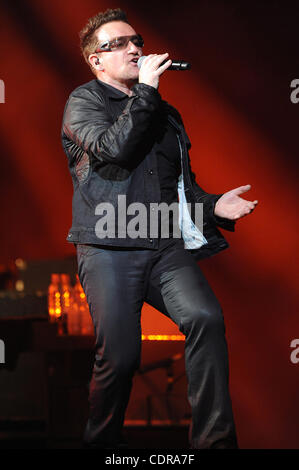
column 117, row 282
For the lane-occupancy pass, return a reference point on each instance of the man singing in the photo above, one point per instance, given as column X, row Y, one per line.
column 122, row 139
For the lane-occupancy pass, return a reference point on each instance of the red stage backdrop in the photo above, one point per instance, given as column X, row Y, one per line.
column 236, row 106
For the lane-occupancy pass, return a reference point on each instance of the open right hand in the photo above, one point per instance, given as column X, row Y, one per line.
column 151, row 69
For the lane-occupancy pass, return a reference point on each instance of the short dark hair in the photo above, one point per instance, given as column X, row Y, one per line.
column 88, row 39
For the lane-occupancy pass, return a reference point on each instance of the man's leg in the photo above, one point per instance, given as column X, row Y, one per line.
column 178, row 288
column 113, row 284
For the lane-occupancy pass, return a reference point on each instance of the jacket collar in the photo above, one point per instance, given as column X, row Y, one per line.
column 111, row 91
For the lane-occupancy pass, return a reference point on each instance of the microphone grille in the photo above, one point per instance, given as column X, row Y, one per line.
column 140, row 60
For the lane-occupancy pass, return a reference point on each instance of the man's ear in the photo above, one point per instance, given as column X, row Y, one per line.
column 95, row 62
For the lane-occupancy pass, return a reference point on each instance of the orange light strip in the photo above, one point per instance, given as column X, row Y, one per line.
column 163, row 338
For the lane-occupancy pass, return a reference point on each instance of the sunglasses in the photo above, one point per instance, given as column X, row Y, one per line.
column 120, row 43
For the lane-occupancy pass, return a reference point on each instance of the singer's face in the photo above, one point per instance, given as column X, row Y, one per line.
column 119, row 65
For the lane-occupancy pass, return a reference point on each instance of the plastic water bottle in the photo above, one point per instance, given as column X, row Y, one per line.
column 66, row 301
column 86, row 321
column 54, row 299
column 74, row 320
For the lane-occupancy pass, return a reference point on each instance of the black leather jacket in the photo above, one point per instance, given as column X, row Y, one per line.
column 109, row 139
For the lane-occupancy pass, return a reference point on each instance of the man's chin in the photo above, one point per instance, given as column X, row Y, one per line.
column 132, row 81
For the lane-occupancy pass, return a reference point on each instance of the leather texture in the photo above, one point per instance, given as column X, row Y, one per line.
column 109, row 139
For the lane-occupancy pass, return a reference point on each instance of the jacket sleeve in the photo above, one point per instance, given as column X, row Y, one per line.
column 87, row 123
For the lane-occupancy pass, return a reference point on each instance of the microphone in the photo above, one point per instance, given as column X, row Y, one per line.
column 176, row 64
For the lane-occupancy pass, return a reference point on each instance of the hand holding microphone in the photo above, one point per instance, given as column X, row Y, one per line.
column 151, row 67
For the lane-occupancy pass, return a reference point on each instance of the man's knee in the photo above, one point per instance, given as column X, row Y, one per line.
column 208, row 318
column 120, row 365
